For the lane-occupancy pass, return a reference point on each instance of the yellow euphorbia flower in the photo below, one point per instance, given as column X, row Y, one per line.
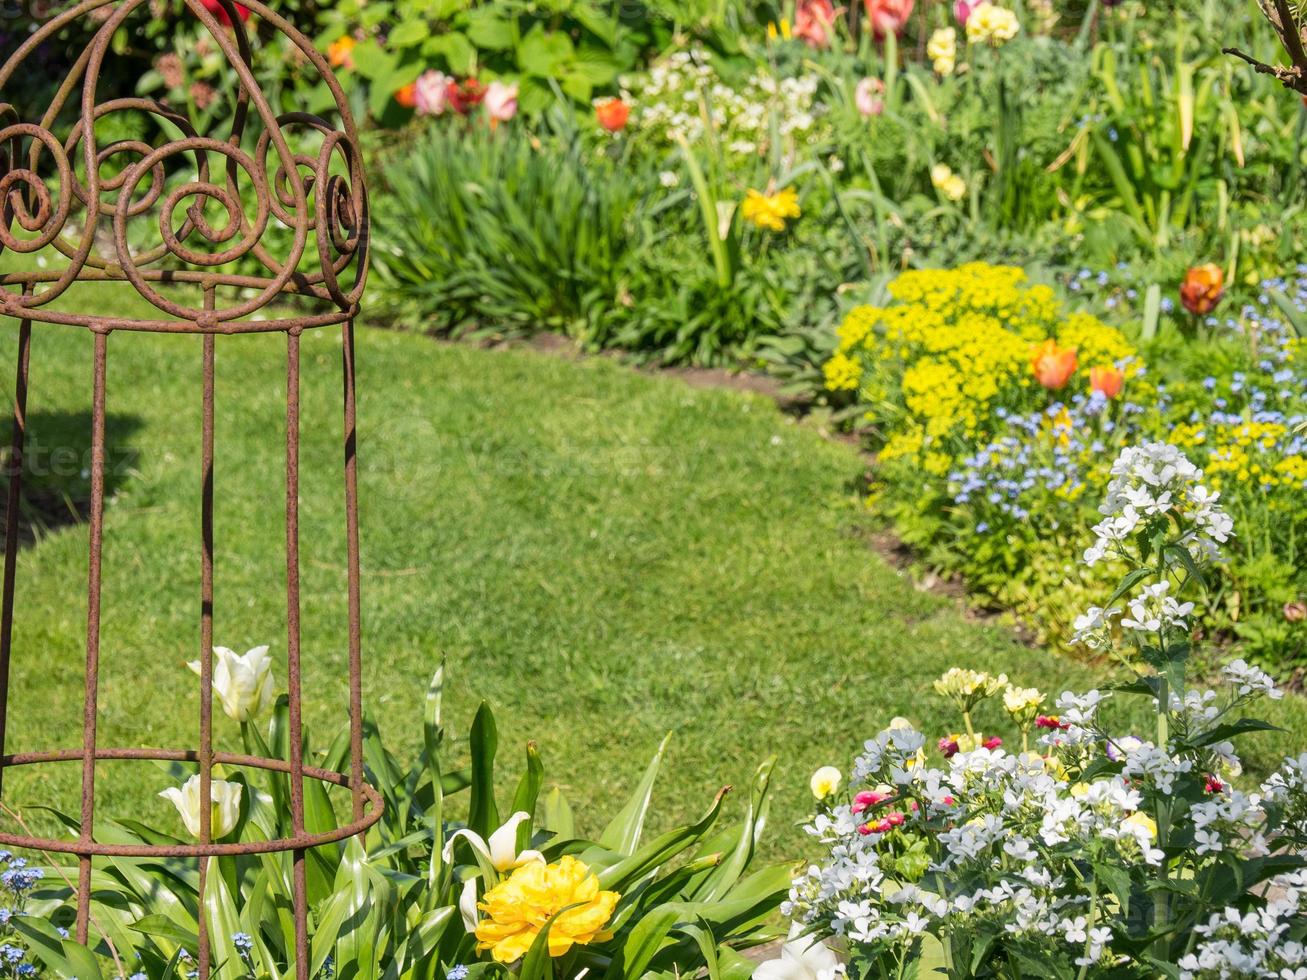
column 517, row 909
column 771, row 210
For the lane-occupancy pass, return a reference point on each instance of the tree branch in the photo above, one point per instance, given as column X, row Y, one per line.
column 1291, row 34
column 1291, row 77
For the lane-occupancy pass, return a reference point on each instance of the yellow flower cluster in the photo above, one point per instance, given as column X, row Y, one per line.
column 966, row 688
column 517, row 909
column 1251, row 454
column 954, row 346
column 991, row 24
column 770, row 210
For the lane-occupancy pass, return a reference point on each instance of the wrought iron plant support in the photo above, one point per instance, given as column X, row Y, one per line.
column 60, row 190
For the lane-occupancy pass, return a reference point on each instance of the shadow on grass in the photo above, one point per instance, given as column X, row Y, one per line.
column 56, row 489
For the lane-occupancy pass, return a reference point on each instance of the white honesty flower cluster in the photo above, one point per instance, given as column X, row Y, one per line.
column 1235, row 945
column 1153, row 487
column 1157, row 480
column 673, row 97
column 991, row 835
column 978, row 839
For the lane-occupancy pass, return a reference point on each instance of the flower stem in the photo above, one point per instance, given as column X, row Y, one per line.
column 1089, row 929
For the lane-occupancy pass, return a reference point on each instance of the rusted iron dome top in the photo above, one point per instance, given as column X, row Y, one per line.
column 291, row 223
column 263, row 169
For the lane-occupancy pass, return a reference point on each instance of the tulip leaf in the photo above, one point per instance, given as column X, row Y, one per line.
column 558, row 817
column 720, row 882
column 433, row 734
column 620, row 874
column 220, row 915
column 643, row 942
column 537, row 964
column 162, row 927
column 528, row 793
column 483, row 814
column 623, row 833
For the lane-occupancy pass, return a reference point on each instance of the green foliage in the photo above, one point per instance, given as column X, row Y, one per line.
column 391, row 908
column 576, row 47
column 507, row 231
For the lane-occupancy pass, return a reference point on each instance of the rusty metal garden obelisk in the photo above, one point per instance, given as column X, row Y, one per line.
column 287, row 253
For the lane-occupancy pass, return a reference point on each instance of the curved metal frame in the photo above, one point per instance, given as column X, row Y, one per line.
column 321, row 198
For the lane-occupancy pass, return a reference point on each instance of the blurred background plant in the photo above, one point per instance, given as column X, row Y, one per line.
column 721, row 182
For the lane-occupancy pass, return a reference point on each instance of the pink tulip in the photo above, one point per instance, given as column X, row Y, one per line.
column 431, row 93
column 814, row 21
column 867, row 97
column 500, row 101
column 888, row 16
column 962, row 10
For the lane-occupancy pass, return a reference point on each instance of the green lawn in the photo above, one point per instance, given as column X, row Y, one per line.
column 603, row 555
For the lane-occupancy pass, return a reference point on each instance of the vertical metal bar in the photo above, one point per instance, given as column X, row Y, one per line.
column 352, row 564
column 296, row 733
column 12, row 519
column 92, row 690
column 206, row 629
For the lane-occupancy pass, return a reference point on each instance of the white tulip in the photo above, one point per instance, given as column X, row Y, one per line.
column 467, row 905
column 242, row 682
column 802, row 958
column 226, row 803
column 501, row 849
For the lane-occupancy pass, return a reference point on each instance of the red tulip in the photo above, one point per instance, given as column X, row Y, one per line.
column 465, row 96
column 1053, row 366
column 612, row 114
column 888, row 16
column 1106, row 379
column 217, row 9
column 1202, row 289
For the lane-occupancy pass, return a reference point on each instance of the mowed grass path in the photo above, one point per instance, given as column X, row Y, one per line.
column 605, row 556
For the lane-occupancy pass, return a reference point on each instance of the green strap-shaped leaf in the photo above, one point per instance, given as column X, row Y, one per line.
column 618, row 876
column 483, row 814
column 623, row 833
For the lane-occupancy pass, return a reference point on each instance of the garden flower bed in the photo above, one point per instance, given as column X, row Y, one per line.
column 1042, row 261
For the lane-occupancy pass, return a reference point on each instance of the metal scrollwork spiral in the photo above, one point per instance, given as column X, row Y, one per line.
column 274, row 206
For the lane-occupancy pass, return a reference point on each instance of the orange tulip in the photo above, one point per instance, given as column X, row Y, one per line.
column 612, row 114
column 1053, row 366
column 1106, row 379
column 1202, row 289
column 340, row 52
column 408, row 95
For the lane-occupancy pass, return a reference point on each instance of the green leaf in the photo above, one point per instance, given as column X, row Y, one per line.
column 488, row 29
column 1117, row 881
column 433, row 734
column 558, row 815
column 1152, row 311
column 407, row 34
column 1232, row 730
column 537, row 963
column 528, row 792
column 483, row 814
column 61, row 955
column 220, row 914
column 623, row 833
column 459, row 53
column 1181, row 555
column 162, row 927
column 643, row 942
column 1128, row 582
column 544, row 54
column 620, row 874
